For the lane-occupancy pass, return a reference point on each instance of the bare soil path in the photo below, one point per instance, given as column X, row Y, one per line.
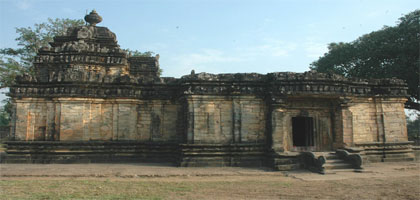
column 151, row 181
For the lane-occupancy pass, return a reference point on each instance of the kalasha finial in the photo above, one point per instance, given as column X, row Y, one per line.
column 93, row 18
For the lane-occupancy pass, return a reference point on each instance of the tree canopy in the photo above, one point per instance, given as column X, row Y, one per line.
column 386, row 53
column 413, row 129
column 5, row 112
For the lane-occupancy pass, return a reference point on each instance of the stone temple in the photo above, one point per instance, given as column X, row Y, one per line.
column 89, row 101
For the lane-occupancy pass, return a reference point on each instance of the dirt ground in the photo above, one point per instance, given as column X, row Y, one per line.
column 148, row 181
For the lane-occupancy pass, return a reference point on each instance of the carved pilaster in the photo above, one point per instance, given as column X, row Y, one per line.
column 190, row 121
column 277, row 109
column 343, row 124
column 57, row 122
column 236, row 120
column 50, row 121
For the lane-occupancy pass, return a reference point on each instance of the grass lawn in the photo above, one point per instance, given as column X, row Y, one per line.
column 91, row 189
column 230, row 187
column 180, row 188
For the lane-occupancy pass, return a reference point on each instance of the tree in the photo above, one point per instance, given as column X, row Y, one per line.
column 5, row 113
column 413, row 129
column 386, row 53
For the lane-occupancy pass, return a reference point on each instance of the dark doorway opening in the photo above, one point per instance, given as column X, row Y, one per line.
column 303, row 131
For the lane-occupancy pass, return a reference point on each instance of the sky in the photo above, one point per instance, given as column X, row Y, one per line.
column 219, row 36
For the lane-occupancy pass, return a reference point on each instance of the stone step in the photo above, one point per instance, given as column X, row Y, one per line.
column 335, row 171
column 405, row 155
column 337, row 166
column 331, row 156
column 286, row 167
column 335, row 161
column 83, row 158
column 221, row 161
column 398, row 159
column 17, row 161
column 284, row 161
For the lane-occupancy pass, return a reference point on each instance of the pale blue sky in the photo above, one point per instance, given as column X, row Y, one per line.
column 219, row 36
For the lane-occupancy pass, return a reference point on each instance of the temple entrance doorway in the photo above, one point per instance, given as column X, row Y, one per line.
column 303, row 133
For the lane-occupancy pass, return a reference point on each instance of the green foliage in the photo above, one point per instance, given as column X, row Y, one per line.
column 140, row 54
column 9, row 69
column 5, row 113
column 19, row 60
column 386, row 53
column 413, row 129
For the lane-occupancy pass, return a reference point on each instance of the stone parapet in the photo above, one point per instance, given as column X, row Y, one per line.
column 387, row 151
column 119, row 90
column 273, row 84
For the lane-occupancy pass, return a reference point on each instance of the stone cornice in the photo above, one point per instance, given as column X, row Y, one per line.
column 210, row 84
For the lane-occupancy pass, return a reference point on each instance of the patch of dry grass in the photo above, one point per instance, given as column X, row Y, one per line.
column 90, row 189
column 231, row 187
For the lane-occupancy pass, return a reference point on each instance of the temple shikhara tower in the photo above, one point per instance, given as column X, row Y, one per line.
column 90, row 101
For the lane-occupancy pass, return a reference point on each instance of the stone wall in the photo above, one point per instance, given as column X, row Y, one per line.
column 86, row 119
column 378, row 120
column 225, row 119
column 211, row 109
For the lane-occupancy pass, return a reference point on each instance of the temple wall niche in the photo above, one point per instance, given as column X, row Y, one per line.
column 158, row 121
